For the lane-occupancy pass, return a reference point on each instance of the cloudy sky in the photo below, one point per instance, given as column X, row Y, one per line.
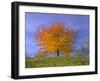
column 35, row 20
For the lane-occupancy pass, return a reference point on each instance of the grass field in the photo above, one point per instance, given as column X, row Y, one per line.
column 55, row 61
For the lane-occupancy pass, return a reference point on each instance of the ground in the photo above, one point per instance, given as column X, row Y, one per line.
column 56, row 61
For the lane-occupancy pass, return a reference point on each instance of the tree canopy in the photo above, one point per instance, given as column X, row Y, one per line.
column 56, row 39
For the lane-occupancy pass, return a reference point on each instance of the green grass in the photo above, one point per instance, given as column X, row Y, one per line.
column 55, row 61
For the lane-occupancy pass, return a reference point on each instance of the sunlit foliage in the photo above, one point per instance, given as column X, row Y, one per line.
column 56, row 39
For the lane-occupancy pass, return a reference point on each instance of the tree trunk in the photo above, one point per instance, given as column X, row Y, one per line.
column 57, row 52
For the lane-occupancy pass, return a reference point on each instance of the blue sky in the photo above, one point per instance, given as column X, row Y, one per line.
column 33, row 21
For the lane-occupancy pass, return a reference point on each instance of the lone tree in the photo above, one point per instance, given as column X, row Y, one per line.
column 56, row 39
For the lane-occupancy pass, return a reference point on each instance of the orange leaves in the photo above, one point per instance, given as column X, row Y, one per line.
column 56, row 37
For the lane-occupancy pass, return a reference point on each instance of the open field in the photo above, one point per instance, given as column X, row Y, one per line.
column 56, row 61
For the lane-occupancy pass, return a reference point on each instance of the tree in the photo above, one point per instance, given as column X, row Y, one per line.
column 41, row 54
column 85, row 47
column 56, row 39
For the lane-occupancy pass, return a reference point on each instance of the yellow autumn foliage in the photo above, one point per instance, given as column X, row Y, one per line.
column 56, row 37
